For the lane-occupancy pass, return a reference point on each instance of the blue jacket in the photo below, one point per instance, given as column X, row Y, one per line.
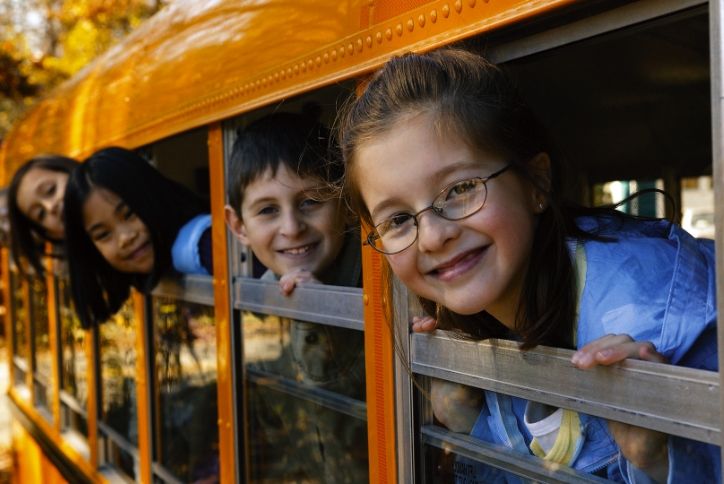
column 656, row 283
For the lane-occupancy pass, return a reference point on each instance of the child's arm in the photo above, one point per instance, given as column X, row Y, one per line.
column 290, row 280
column 644, row 448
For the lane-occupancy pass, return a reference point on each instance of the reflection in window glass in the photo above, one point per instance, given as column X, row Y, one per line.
column 74, row 367
column 185, row 363
column 41, row 344
column 306, row 391
column 118, row 388
column 557, row 436
column 18, row 314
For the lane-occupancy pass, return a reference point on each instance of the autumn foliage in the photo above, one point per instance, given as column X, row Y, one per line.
column 44, row 42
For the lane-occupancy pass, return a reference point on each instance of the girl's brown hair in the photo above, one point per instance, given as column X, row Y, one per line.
column 475, row 100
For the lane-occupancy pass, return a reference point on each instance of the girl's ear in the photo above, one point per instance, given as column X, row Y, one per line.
column 540, row 170
column 235, row 224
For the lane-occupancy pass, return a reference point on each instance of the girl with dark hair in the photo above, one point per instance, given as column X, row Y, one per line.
column 35, row 208
column 123, row 222
column 456, row 177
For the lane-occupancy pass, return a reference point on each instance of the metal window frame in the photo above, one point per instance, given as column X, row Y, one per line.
column 329, row 305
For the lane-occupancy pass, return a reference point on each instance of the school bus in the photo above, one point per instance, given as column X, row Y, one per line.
column 631, row 90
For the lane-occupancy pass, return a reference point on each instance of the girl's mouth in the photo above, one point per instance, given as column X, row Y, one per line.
column 458, row 265
column 140, row 251
column 300, row 251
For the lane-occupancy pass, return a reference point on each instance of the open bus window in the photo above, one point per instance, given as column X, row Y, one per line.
column 42, row 367
column 644, row 204
column 185, row 400
column 119, row 418
column 74, row 364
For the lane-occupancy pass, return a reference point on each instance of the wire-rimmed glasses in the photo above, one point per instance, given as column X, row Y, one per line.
column 454, row 202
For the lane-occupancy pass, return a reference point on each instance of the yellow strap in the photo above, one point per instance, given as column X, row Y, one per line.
column 564, row 448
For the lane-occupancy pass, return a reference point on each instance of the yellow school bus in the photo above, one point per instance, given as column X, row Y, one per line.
column 630, row 89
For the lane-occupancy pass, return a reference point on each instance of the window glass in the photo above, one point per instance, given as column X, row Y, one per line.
column 42, row 358
column 19, row 315
column 185, row 363
column 306, row 396
column 118, row 386
column 540, row 435
column 74, row 367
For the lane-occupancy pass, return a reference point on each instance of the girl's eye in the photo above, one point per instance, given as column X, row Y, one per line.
column 309, row 203
column 463, row 188
column 267, row 210
column 100, row 235
column 50, row 190
column 395, row 223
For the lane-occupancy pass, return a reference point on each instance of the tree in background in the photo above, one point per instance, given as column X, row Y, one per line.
column 44, row 42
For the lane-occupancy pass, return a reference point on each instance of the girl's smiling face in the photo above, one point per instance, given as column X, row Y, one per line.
column 469, row 265
column 118, row 233
column 40, row 199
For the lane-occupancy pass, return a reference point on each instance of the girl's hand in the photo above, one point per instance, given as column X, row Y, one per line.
column 614, row 348
column 644, row 448
column 290, row 280
column 423, row 324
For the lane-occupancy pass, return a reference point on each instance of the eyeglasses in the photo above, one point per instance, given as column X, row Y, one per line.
column 455, row 202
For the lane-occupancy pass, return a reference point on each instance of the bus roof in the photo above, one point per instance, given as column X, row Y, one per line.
column 200, row 61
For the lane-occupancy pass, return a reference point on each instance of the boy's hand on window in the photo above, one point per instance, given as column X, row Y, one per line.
column 423, row 324
column 290, row 280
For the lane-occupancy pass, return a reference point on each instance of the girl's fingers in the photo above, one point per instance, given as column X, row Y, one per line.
column 424, row 324
column 611, row 349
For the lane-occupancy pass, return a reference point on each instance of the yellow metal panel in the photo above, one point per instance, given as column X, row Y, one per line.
column 199, row 62
column 222, row 311
column 55, row 438
column 379, row 366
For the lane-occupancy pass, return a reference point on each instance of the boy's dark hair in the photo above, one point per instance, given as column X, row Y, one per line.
column 27, row 237
column 296, row 141
column 163, row 205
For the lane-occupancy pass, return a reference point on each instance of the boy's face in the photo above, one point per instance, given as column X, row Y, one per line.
column 286, row 225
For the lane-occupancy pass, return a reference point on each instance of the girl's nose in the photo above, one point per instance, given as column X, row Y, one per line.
column 292, row 225
column 127, row 236
column 434, row 232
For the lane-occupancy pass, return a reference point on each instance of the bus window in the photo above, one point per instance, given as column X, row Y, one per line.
column 41, row 356
column 186, row 436
column 697, row 206
column 645, row 203
column 628, row 109
column 73, row 368
column 19, row 317
column 302, row 355
column 183, row 360
column 118, row 423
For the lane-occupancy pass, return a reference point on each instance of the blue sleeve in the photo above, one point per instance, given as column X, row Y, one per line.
column 189, row 250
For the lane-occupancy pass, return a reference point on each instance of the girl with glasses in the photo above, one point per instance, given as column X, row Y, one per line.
column 464, row 194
